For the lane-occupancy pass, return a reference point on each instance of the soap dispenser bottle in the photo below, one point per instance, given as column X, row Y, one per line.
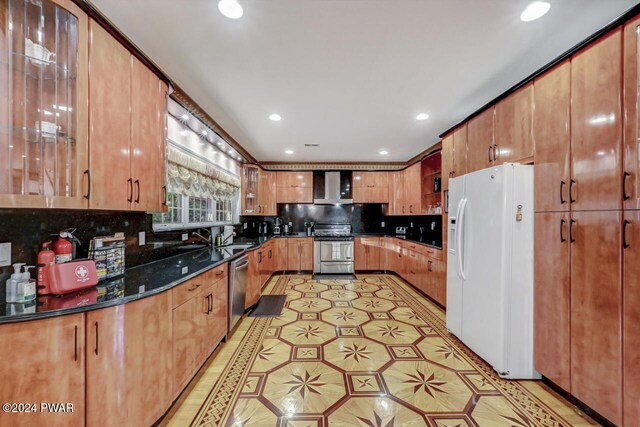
column 12, row 283
column 26, row 287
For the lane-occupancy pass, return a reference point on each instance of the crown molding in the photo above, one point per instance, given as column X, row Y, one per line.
column 314, row 166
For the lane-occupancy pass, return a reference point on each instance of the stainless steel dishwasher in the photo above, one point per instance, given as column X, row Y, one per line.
column 237, row 289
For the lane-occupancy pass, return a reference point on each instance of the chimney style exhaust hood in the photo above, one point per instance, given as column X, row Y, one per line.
column 335, row 193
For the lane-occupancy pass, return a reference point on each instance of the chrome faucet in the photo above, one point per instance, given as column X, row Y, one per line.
column 208, row 240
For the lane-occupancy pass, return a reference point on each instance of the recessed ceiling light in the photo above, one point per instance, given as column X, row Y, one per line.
column 239, row 158
column 383, row 152
column 288, row 151
column 204, row 132
column 422, row 116
column 275, row 117
column 219, row 144
column 230, row 8
column 535, row 10
column 185, row 117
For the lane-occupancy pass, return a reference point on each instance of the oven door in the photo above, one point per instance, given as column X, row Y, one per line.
column 336, row 251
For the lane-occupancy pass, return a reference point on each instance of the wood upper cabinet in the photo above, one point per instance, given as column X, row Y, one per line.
column 258, row 192
column 552, row 298
column 596, row 125
column 371, row 187
column 460, row 151
column 43, row 115
column 413, row 189
column 148, row 105
column 396, row 193
column 109, row 121
column 367, row 253
column 299, row 253
column 44, row 362
column 596, row 311
column 126, row 128
column 128, row 352
column 294, row 187
column 631, row 317
column 551, row 119
column 447, row 161
column 480, row 141
column 513, row 122
column 631, row 138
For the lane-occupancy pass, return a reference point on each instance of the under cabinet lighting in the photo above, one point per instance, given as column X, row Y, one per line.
column 535, row 10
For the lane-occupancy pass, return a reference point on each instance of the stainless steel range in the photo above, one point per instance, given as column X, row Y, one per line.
column 333, row 249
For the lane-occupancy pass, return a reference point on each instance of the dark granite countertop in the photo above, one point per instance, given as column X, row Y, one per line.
column 138, row 282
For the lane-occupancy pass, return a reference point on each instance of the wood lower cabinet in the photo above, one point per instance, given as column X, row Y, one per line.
column 370, row 187
column 299, row 253
column 215, row 297
column 596, row 311
column 552, row 297
column 43, row 361
column 480, row 141
column 631, row 317
column 513, row 122
column 596, row 125
column 129, row 353
column 280, row 254
column 254, row 278
column 294, row 187
column 367, row 253
column 551, row 118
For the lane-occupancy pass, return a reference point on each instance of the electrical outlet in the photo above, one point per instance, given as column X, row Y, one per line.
column 5, row 254
column 382, row 224
column 185, row 270
column 185, row 236
column 411, row 226
column 244, row 225
column 142, row 238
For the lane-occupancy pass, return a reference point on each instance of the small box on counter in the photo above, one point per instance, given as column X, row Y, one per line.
column 108, row 252
column 72, row 276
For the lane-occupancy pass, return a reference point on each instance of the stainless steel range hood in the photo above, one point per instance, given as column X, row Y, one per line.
column 332, row 193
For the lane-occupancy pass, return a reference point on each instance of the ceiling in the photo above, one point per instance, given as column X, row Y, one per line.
column 350, row 75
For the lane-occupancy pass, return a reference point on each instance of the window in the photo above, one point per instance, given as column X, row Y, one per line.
column 174, row 212
column 190, row 211
column 200, row 210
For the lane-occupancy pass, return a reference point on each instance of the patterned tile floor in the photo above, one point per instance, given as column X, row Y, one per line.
column 369, row 352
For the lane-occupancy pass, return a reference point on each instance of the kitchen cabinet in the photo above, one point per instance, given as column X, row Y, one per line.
column 596, row 311
column 43, row 119
column 299, row 253
column 258, row 191
column 596, row 125
column 254, row 277
column 199, row 323
column 405, row 191
column 268, row 262
column 294, row 187
column 279, row 254
column 631, row 317
column 447, row 161
column 370, row 187
column 460, row 151
column 126, row 128
column 631, row 138
column 431, row 184
column 551, row 119
column 552, row 297
column 390, row 254
column 480, row 141
column 513, row 123
column 128, row 352
column 43, row 361
column 367, row 253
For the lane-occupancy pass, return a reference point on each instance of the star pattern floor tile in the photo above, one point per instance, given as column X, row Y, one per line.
column 367, row 352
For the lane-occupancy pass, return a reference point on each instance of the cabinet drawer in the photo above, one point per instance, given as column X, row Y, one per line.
column 432, row 252
column 189, row 289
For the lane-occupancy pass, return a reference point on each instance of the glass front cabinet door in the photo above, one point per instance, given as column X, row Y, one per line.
column 250, row 190
column 43, row 104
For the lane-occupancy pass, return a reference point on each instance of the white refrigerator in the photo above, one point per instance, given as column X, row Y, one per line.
column 490, row 266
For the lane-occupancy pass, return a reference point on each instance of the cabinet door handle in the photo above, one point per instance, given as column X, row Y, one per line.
column 97, row 338
column 428, row 265
column 624, row 185
column 137, row 191
column 402, row 208
column 571, row 239
column 625, row 245
column 130, row 194
column 562, row 199
column 489, row 153
column 194, row 288
column 75, row 343
column 88, row 174
column 259, row 257
column 209, row 303
column 164, row 195
column 562, row 224
column 571, row 185
column 410, row 208
column 270, row 254
column 495, row 148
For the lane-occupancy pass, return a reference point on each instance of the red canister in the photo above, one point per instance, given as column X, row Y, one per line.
column 46, row 258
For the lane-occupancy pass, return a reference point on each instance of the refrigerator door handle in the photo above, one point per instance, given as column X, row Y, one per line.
column 460, row 237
